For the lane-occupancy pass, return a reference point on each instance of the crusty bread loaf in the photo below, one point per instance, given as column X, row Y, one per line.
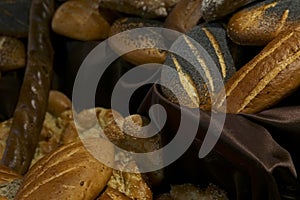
column 130, row 184
column 70, row 172
column 262, row 22
column 196, row 79
column 7, row 175
column 269, row 77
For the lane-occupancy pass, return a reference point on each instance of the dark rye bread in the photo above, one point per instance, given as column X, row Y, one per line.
column 267, row 78
column 262, row 22
column 32, row 103
column 69, row 173
column 188, row 82
column 151, row 39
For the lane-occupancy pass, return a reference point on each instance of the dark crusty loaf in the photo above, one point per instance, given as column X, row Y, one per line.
column 191, row 87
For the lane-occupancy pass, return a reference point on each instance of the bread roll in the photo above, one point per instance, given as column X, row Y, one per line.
column 58, row 103
column 80, row 20
column 150, row 40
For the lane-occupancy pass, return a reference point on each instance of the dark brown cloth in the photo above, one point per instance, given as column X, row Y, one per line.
column 248, row 161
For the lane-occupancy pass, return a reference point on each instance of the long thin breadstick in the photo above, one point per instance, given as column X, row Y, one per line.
column 30, row 110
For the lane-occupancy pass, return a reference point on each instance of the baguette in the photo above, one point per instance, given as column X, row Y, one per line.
column 32, row 104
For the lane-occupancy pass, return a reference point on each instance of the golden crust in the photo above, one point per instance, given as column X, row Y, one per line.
column 80, row 20
column 70, row 172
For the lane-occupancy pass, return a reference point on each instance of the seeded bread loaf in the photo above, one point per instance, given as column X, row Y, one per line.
column 262, row 22
column 140, row 55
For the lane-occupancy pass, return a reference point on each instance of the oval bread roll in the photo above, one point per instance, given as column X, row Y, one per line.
column 80, row 20
column 69, row 172
column 141, row 54
column 58, row 103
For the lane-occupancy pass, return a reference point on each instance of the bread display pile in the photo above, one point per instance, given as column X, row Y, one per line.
column 252, row 77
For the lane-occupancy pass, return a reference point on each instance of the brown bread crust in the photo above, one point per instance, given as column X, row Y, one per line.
column 58, row 103
column 267, row 78
column 69, row 172
column 80, row 20
column 138, row 56
column 7, row 175
column 261, row 23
